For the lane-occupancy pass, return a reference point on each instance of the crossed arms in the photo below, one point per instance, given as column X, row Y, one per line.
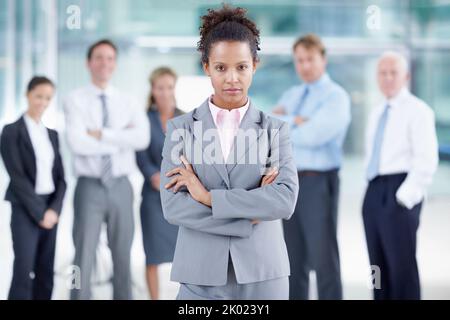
column 227, row 212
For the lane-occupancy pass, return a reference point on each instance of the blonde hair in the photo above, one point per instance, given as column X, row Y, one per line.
column 156, row 74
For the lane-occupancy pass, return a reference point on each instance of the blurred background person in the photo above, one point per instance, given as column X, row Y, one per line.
column 105, row 128
column 401, row 158
column 36, row 191
column 159, row 237
column 318, row 112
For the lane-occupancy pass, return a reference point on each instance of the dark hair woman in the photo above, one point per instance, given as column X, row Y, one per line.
column 36, row 191
column 228, row 196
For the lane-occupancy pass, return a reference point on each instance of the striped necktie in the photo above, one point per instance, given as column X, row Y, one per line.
column 106, row 169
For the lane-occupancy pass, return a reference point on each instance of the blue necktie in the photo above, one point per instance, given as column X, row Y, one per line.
column 106, row 170
column 302, row 101
column 374, row 164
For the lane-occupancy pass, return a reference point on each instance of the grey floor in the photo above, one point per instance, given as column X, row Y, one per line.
column 433, row 243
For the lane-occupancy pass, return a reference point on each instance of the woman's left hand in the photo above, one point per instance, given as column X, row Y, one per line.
column 187, row 177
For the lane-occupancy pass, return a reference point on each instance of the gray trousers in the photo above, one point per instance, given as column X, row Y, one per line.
column 95, row 204
column 274, row 289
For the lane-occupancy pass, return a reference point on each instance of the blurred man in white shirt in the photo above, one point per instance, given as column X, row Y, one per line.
column 104, row 129
column 401, row 158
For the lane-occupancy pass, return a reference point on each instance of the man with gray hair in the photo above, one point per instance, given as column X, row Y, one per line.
column 401, row 158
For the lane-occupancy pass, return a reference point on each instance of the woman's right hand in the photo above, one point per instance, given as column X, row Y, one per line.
column 270, row 177
column 50, row 219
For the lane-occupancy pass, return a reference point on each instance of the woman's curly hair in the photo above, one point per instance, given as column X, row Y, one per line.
column 227, row 24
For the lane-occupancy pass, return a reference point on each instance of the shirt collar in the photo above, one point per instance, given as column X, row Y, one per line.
column 396, row 100
column 215, row 110
column 30, row 122
column 108, row 91
column 324, row 79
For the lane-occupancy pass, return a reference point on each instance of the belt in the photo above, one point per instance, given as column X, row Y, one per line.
column 385, row 177
column 99, row 179
column 315, row 173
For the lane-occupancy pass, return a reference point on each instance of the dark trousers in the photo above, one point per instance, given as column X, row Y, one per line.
column 34, row 255
column 311, row 239
column 391, row 239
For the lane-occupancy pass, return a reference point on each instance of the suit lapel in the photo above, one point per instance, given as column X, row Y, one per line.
column 203, row 114
column 25, row 136
column 252, row 122
column 53, row 141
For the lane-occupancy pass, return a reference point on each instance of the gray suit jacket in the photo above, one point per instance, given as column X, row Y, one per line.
column 208, row 236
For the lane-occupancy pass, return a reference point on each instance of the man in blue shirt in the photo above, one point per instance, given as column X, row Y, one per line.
column 319, row 114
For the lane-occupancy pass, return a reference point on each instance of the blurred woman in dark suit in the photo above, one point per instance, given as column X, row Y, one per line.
column 36, row 191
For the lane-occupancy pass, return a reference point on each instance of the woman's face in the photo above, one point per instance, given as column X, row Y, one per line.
column 39, row 98
column 231, row 68
column 163, row 91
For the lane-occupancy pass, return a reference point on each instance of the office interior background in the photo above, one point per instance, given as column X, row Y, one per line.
column 50, row 37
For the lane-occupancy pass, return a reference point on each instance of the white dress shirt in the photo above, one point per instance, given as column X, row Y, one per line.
column 44, row 154
column 227, row 131
column 128, row 130
column 409, row 145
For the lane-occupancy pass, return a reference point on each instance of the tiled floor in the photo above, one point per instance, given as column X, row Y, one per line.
column 433, row 243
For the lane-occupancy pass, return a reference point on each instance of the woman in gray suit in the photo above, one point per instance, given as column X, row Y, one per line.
column 228, row 176
column 159, row 237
